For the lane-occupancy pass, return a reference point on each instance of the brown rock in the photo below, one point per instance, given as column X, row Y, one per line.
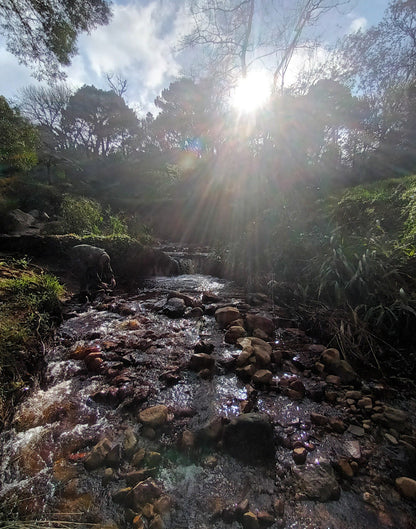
column 279, row 507
column 157, row 523
column 265, row 518
column 234, row 333
column 144, row 492
column 163, row 504
column 148, row 510
column 330, row 357
column 244, row 356
column 406, row 487
column 200, row 361
column 337, row 425
column 265, row 324
column 138, row 522
column 250, row 521
column 226, row 315
column 299, row 455
column 318, row 418
column 187, row 441
column 154, row 416
column 345, row 468
column 263, row 376
column 98, row 454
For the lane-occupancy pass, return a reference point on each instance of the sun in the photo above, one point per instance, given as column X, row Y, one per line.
column 251, row 92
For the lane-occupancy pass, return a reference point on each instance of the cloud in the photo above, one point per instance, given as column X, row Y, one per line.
column 359, row 23
column 138, row 44
column 15, row 76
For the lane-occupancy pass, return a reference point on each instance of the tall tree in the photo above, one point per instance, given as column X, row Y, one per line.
column 99, row 122
column 43, row 33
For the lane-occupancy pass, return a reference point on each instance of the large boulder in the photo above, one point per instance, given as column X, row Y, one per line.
column 249, row 437
column 17, row 221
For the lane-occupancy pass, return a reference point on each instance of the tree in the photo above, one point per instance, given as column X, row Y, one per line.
column 189, row 117
column 99, row 122
column 236, row 34
column 18, row 139
column 42, row 34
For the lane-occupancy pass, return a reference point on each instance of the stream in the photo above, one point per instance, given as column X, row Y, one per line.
column 130, row 425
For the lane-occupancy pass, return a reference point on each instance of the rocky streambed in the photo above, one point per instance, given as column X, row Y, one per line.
column 188, row 405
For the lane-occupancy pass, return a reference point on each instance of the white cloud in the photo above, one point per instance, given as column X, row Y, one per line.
column 359, row 23
column 138, row 44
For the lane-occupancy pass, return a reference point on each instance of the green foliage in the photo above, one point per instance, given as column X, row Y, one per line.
column 18, row 139
column 43, row 34
column 81, row 215
column 30, row 304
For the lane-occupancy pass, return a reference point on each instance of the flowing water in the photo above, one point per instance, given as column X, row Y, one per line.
column 143, row 361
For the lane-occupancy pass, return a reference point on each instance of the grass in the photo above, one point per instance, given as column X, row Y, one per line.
column 29, row 300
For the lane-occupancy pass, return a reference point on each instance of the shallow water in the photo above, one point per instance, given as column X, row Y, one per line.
column 42, row 474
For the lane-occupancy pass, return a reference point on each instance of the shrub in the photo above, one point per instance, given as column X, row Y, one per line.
column 81, row 215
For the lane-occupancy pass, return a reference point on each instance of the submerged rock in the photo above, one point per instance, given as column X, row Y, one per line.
column 249, row 437
column 317, row 482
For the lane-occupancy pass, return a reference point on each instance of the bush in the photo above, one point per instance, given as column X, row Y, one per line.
column 82, row 216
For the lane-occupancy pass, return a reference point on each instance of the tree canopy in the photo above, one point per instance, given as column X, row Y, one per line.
column 43, row 34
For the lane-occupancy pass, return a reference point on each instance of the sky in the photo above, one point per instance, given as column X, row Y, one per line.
column 140, row 44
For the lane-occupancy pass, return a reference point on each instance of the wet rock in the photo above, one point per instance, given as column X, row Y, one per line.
column 123, row 496
column 262, row 377
column 335, row 380
column 64, row 471
column 337, row 425
column 82, row 351
column 113, row 458
column 395, row 417
column 234, row 333
column 250, row 521
column 210, row 297
column 265, row 324
column 189, row 302
column 137, row 476
column 353, row 394
column 138, row 522
column 406, row 487
column 96, row 458
column 129, row 442
column 330, row 357
column 94, row 362
column 260, row 349
column 279, row 507
column 358, row 431
column 317, row 482
column 195, row 312
column 154, row 416
column 138, row 457
column 212, row 431
column 352, row 448
column 249, row 437
column 204, row 348
column 265, row 518
column 345, row 468
column 226, row 315
column 316, row 392
column 200, row 361
column 246, row 372
column 318, row 419
column 174, row 308
column 244, row 356
column 299, row 455
column 157, row 523
column 163, row 505
column 108, row 476
column 145, row 492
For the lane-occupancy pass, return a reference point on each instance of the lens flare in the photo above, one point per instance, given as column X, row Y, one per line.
column 251, row 92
